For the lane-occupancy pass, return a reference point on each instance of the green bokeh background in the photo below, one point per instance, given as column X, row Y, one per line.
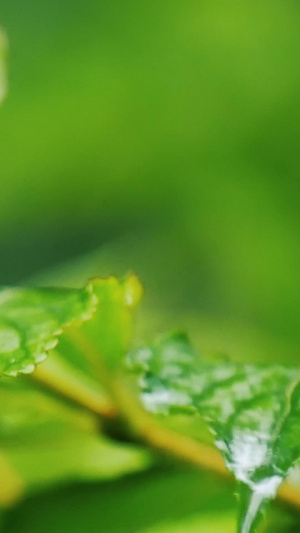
column 163, row 137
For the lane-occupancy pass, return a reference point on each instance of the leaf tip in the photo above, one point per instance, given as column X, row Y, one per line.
column 133, row 290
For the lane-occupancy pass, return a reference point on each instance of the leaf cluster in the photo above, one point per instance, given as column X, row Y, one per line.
column 253, row 411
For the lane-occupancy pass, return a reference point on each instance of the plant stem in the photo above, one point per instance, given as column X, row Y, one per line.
column 123, row 404
column 184, row 448
column 72, row 384
column 144, row 427
column 12, row 486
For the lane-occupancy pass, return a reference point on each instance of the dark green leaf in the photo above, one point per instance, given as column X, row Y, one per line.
column 32, row 319
column 253, row 412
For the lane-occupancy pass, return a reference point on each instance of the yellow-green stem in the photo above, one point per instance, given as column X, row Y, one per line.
column 154, row 434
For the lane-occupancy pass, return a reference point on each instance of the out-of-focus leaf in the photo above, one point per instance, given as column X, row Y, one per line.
column 253, row 412
column 28, row 414
column 12, row 485
column 222, row 523
column 46, row 442
column 110, row 331
column 31, row 320
column 128, row 505
column 3, row 49
column 75, row 456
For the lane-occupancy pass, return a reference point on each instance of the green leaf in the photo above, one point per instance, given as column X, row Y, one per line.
column 75, row 456
column 32, row 319
column 45, row 442
column 28, row 414
column 110, row 331
column 204, row 523
column 3, row 50
column 253, row 412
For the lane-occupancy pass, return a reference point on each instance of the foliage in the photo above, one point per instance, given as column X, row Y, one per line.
column 174, row 137
column 31, row 320
column 253, row 411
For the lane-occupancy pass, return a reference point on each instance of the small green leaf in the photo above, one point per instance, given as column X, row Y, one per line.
column 253, row 412
column 32, row 319
column 110, row 331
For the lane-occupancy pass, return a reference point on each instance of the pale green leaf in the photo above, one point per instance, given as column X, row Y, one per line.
column 75, row 457
column 32, row 319
column 46, row 442
column 252, row 410
column 204, row 523
column 110, row 331
column 27, row 414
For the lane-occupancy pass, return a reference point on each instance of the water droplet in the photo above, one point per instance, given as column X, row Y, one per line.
column 94, row 301
column 28, row 369
column 12, row 373
column 50, row 344
column 133, row 291
column 40, row 357
column 87, row 316
column 9, row 340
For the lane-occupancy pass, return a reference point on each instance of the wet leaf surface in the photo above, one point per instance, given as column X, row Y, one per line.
column 253, row 412
column 32, row 319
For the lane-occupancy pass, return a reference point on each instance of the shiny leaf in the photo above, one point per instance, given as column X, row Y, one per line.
column 32, row 319
column 252, row 410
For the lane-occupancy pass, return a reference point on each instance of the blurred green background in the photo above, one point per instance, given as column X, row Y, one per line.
column 161, row 137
